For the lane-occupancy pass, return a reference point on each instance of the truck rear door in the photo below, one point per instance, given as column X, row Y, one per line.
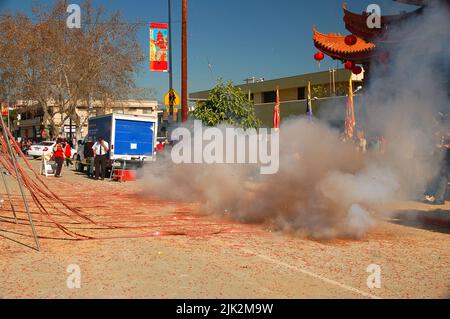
column 134, row 138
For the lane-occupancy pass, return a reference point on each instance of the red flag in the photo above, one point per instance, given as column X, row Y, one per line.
column 350, row 121
column 276, row 112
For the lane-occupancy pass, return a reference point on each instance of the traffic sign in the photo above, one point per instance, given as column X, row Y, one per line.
column 172, row 98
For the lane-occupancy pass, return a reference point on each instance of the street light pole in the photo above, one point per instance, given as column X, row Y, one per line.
column 170, row 56
column 184, row 66
column 334, row 82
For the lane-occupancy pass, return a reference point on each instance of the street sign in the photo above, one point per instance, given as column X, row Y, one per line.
column 172, row 98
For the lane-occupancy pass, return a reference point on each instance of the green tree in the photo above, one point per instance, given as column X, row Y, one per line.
column 227, row 104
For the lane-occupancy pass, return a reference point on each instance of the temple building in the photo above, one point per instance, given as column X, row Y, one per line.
column 369, row 43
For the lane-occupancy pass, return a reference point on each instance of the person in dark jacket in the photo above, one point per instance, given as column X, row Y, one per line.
column 89, row 157
column 437, row 190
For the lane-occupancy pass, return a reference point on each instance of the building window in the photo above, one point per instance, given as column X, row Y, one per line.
column 269, row 97
column 301, row 93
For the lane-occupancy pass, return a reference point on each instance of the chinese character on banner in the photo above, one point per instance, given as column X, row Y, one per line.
column 159, row 47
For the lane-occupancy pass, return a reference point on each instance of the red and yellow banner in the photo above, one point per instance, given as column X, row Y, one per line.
column 159, row 47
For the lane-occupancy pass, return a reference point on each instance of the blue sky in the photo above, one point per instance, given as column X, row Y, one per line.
column 239, row 38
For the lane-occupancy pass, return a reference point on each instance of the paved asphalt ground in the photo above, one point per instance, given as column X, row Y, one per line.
column 169, row 250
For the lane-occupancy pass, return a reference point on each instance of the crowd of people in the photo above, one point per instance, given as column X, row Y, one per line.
column 25, row 144
column 94, row 153
column 360, row 142
column 437, row 185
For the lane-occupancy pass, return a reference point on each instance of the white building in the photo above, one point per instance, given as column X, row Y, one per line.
column 29, row 122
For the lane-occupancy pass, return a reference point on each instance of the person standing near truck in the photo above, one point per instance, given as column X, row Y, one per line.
column 100, row 149
column 68, row 153
column 89, row 157
column 58, row 154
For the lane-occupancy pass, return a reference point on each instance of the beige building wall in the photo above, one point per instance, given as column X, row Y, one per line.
column 289, row 94
column 28, row 127
column 288, row 86
column 257, row 98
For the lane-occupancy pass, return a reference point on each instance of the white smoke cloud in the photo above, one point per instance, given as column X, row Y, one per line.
column 325, row 188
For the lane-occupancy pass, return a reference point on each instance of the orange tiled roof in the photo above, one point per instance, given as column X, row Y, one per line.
column 334, row 46
column 357, row 23
column 416, row 2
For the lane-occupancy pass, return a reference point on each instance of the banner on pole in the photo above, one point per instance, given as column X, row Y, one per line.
column 159, row 47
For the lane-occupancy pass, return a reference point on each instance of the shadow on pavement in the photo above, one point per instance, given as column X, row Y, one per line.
column 436, row 221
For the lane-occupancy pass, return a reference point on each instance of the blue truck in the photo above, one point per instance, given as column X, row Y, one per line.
column 131, row 138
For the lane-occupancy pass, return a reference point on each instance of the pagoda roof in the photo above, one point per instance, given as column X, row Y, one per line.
column 333, row 45
column 357, row 23
column 416, row 2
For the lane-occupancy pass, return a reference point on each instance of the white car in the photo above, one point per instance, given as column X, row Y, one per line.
column 37, row 150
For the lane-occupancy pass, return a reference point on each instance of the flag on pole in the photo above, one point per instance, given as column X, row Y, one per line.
column 276, row 112
column 350, row 121
column 309, row 111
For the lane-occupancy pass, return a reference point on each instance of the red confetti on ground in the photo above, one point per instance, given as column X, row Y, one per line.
column 97, row 213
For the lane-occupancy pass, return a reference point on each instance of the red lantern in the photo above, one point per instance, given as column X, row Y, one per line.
column 357, row 70
column 350, row 40
column 319, row 56
column 349, row 65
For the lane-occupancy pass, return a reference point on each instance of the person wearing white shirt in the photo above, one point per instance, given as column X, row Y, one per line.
column 100, row 148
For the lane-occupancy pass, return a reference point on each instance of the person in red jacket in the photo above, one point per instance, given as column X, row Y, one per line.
column 68, row 153
column 58, row 154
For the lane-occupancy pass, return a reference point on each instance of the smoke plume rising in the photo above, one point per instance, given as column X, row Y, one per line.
column 324, row 188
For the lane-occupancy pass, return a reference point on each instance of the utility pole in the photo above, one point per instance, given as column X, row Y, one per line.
column 329, row 76
column 333, row 72
column 184, row 66
column 170, row 56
